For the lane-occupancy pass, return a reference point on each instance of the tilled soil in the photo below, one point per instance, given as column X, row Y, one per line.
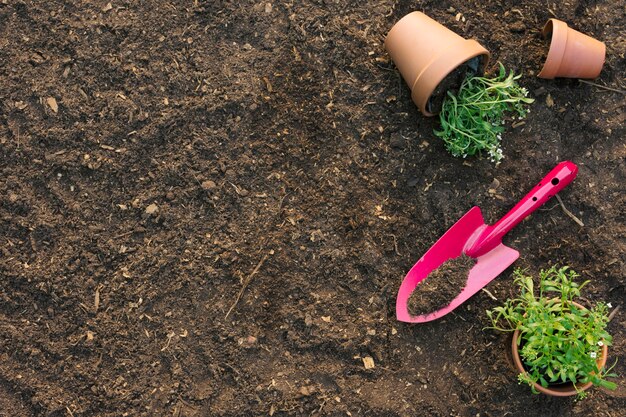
column 207, row 208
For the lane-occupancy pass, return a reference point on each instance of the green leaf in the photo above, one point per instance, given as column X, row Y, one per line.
column 607, row 384
column 571, row 375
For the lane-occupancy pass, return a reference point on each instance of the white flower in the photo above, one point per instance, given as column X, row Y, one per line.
column 609, row 305
column 593, row 355
column 600, row 343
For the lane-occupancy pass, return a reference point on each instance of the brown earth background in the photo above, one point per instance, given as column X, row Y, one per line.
column 162, row 159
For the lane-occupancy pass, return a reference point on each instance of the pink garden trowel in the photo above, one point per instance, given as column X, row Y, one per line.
column 472, row 237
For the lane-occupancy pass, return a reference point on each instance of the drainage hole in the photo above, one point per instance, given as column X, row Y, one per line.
column 555, row 181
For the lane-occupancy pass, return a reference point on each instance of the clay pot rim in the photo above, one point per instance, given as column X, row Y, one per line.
column 438, row 69
column 568, row 389
column 558, row 31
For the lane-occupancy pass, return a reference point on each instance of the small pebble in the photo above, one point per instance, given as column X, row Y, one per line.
column 208, row 185
column 517, row 27
column 397, row 141
column 152, row 209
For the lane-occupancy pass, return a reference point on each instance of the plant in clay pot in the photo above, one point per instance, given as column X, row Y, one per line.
column 472, row 120
column 559, row 346
column 432, row 58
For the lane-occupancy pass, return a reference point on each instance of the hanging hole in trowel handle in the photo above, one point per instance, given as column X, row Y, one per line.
column 555, row 181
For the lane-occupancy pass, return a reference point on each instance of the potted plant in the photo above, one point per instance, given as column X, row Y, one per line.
column 572, row 54
column 559, row 347
column 427, row 52
column 472, row 120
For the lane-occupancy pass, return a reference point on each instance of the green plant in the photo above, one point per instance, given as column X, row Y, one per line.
column 559, row 342
column 473, row 120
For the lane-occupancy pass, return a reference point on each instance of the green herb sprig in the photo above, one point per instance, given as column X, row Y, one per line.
column 559, row 341
column 472, row 121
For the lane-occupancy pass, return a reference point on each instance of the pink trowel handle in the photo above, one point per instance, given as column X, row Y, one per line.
column 555, row 181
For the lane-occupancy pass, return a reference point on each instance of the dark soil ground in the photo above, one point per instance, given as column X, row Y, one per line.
column 164, row 163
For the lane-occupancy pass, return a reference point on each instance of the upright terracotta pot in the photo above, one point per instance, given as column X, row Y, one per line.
column 425, row 52
column 572, row 54
column 560, row 390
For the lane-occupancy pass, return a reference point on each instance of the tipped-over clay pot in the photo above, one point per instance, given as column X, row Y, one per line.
column 557, row 390
column 425, row 52
column 572, row 54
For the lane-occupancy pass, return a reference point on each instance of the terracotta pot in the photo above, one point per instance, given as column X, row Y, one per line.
column 425, row 52
column 572, row 54
column 560, row 390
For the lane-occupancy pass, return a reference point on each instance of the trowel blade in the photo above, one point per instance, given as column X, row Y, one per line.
column 451, row 246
